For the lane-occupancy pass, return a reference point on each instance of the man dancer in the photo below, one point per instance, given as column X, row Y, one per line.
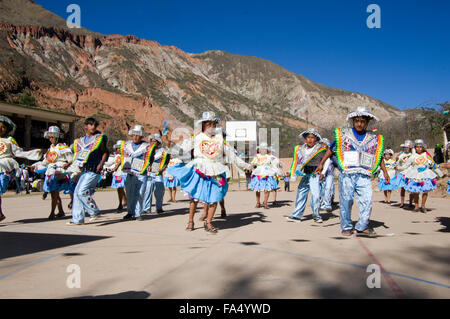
column 359, row 153
column 90, row 153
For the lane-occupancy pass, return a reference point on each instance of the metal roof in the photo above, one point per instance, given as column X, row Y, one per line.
column 37, row 113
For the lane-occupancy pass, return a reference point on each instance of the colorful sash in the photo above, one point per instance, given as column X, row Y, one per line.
column 304, row 160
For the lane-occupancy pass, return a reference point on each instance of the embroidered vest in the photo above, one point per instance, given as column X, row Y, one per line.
column 160, row 159
column 135, row 162
column 302, row 160
column 82, row 150
column 358, row 157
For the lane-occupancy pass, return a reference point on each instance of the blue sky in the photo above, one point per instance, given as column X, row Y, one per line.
column 405, row 63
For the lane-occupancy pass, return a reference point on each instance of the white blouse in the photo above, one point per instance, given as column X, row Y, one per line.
column 10, row 149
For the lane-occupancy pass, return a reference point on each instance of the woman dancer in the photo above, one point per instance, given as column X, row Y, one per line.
column 57, row 159
column 420, row 177
column 389, row 162
column 8, row 150
column 400, row 165
column 263, row 178
column 118, row 176
column 204, row 178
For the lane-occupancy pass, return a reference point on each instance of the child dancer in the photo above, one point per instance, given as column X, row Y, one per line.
column 327, row 184
column 400, row 165
column 57, row 159
column 8, row 150
column 136, row 157
column 263, row 178
column 420, row 177
column 155, row 183
column 90, row 154
column 118, row 176
column 306, row 159
column 359, row 154
column 389, row 162
column 204, row 178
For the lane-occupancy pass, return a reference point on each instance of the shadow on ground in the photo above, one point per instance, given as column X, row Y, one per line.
column 18, row 244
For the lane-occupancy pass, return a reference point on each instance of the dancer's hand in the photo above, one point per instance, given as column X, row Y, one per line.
column 321, row 177
column 387, row 180
column 319, row 168
column 99, row 168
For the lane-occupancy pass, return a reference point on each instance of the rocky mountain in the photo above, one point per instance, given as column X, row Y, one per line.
column 126, row 80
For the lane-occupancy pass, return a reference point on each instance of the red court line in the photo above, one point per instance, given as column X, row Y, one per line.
column 391, row 282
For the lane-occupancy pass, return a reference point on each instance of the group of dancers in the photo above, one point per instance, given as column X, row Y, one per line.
column 143, row 167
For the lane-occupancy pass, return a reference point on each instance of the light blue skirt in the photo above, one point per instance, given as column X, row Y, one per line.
column 118, row 181
column 200, row 188
column 4, row 182
column 259, row 184
column 394, row 183
column 414, row 187
column 53, row 184
column 171, row 183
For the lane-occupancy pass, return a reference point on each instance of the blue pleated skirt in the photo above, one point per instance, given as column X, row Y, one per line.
column 119, row 181
column 394, row 183
column 53, row 184
column 200, row 188
column 4, row 182
column 171, row 183
column 414, row 187
column 258, row 184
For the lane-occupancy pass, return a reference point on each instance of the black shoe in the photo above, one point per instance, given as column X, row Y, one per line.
column 423, row 210
column 160, row 211
column 128, row 217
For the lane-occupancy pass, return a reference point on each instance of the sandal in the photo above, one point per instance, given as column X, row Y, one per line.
column 423, row 210
column 191, row 228
column 266, row 206
column 347, row 233
column 60, row 214
column 51, row 216
column 367, row 232
column 210, row 229
column 258, row 205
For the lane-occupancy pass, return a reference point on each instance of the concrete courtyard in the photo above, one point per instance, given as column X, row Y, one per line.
column 257, row 253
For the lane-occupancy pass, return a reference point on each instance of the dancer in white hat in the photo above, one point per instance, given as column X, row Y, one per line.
column 306, row 159
column 327, row 183
column 359, row 153
column 136, row 156
column 394, row 179
column 263, row 177
column 420, row 175
column 57, row 159
column 408, row 149
column 155, row 183
column 204, row 178
column 90, row 154
column 8, row 150
column 118, row 176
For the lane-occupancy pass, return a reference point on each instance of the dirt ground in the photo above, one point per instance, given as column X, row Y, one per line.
column 257, row 253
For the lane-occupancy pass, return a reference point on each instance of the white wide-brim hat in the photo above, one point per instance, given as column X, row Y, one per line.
column 420, row 142
column 53, row 131
column 408, row 143
column 156, row 137
column 118, row 144
column 208, row 117
column 312, row 131
column 137, row 130
column 262, row 146
column 9, row 124
column 388, row 151
column 361, row 111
